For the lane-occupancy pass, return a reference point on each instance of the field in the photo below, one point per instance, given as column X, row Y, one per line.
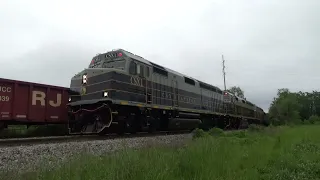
column 258, row 153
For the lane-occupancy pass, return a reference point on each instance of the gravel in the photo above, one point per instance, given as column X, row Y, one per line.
column 28, row 158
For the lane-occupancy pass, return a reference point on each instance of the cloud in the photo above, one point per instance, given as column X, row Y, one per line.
column 267, row 44
column 53, row 64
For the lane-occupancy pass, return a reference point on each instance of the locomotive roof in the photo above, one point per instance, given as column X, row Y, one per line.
column 141, row 59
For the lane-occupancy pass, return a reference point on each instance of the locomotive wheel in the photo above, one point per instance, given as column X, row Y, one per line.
column 126, row 124
column 153, row 125
column 132, row 126
column 243, row 124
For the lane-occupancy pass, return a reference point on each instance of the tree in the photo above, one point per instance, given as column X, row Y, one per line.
column 293, row 107
column 285, row 108
column 236, row 90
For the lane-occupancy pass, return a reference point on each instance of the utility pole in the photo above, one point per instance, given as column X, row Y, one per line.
column 312, row 107
column 225, row 89
column 314, row 111
column 224, row 73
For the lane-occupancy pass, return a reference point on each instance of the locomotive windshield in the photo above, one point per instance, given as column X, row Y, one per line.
column 118, row 64
column 96, row 62
column 101, row 61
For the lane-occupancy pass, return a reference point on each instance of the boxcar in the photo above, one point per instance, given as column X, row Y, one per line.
column 30, row 103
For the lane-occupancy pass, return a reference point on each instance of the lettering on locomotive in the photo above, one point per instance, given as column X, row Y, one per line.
column 181, row 98
column 40, row 96
column 136, row 81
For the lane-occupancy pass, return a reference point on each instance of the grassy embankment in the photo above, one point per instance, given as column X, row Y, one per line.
column 270, row 153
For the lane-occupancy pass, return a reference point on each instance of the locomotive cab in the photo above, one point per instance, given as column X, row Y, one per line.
column 108, row 76
column 93, row 82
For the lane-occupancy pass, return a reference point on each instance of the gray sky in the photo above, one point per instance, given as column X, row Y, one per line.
column 267, row 44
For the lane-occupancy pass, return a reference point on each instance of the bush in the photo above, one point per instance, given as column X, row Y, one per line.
column 254, row 127
column 313, row 119
column 34, row 131
column 199, row 133
column 216, row 131
column 239, row 134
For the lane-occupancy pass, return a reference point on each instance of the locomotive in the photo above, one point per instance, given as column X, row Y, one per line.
column 124, row 93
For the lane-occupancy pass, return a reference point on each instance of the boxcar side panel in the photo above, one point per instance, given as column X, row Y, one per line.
column 36, row 109
column 56, row 105
column 20, row 102
column 6, row 94
column 32, row 102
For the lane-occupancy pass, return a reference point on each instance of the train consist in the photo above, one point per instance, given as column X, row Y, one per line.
column 122, row 92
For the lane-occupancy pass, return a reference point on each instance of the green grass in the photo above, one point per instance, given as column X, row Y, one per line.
column 260, row 153
column 20, row 131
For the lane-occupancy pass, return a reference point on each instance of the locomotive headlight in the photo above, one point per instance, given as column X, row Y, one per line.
column 105, row 94
column 84, row 79
column 69, row 99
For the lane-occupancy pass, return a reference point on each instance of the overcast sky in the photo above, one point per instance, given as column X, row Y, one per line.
column 267, row 44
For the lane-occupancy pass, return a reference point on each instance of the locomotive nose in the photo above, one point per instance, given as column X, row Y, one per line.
column 91, row 84
column 82, row 78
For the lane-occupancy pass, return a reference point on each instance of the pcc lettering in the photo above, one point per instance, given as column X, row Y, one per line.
column 39, row 96
column 5, row 89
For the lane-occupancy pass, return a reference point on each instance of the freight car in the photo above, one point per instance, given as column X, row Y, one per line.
column 123, row 92
column 29, row 103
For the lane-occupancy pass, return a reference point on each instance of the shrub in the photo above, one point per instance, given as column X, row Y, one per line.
column 239, row 134
column 313, row 119
column 34, row 131
column 254, row 127
column 216, row 131
column 199, row 133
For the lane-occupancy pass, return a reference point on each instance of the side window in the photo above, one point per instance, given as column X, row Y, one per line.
column 189, row 81
column 140, row 70
column 147, row 72
column 133, row 68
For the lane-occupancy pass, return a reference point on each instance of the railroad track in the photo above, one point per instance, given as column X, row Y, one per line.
column 78, row 138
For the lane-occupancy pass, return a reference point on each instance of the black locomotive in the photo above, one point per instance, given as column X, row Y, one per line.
column 122, row 92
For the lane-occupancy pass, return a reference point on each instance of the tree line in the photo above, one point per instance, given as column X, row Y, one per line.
column 294, row 107
column 290, row 107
